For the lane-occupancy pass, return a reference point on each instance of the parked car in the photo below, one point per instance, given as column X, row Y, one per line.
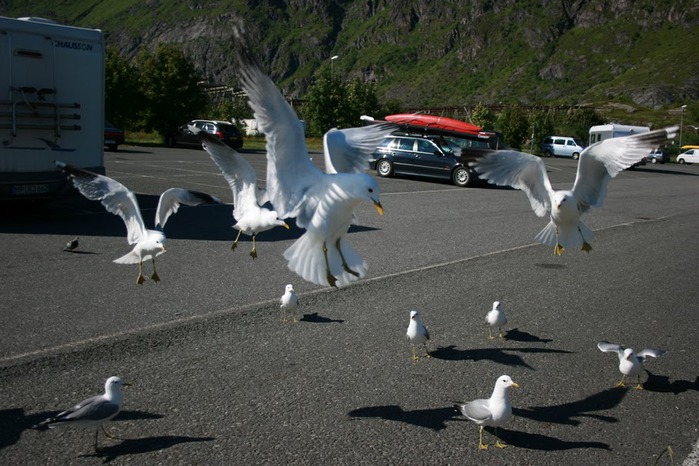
column 428, row 156
column 227, row 132
column 690, row 156
column 658, row 156
column 112, row 136
column 561, row 146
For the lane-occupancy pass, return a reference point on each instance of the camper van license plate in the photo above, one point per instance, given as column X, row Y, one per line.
column 28, row 189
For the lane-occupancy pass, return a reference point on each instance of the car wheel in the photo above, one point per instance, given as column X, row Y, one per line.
column 681, row 161
column 547, row 153
column 576, row 156
column 112, row 147
column 653, row 160
column 384, row 167
column 461, row 176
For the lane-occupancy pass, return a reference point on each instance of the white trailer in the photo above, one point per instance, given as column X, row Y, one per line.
column 51, row 104
column 601, row 132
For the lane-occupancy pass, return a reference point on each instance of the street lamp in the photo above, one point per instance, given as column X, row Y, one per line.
column 332, row 62
column 681, row 124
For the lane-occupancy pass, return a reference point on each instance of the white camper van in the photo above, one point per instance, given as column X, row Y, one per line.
column 51, row 104
column 601, row 132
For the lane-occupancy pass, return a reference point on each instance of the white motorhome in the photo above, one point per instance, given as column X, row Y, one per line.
column 601, row 132
column 51, row 104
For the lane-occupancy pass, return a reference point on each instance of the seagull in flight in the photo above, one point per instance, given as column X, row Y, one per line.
column 119, row 200
column 322, row 203
column 494, row 411
column 630, row 363
column 598, row 164
column 251, row 218
column 91, row 412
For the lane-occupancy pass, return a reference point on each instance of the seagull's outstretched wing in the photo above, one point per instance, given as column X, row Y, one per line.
column 237, row 171
column 290, row 171
column 114, row 196
column 171, row 200
column 349, row 150
column 611, row 348
column 521, row 171
column 650, row 352
column 604, row 160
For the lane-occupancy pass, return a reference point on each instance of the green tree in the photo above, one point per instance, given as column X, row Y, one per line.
column 333, row 104
column 578, row 121
column 171, row 89
column 514, row 125
column 122, row 94
column 483, row 117
column 540, row 125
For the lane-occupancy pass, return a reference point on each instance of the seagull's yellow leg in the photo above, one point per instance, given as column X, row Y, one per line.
column 498, row 443
column 415, row 357
column 140, row 278
column 481, row 445
column 344, row 262
column 97, row 432
column 638, row 383
column 586, row 246
column 107, row 434
column 253, row 253
column 155, row 276
column 330, row 277
column 500, row 333
column 558, row 250
column 235, row 243
column 427, row 353
column 490, row 334
column 621, row 382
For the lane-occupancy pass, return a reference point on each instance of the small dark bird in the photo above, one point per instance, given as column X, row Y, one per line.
column 72, row 245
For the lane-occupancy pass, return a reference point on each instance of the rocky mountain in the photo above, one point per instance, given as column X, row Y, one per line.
column 425, row 52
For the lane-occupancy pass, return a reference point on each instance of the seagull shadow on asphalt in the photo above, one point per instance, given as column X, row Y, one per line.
column 662, row 384
column 143, row 445
column 518, row 335
column 567, row 413
column 499, row 355
column 434, row 419
column 318, row 319
column 14, row 421
column 532, row 441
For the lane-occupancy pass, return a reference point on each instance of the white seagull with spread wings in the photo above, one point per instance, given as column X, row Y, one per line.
column 251, row 218
column 322, row 203
column 119, row 200
column 598, row 164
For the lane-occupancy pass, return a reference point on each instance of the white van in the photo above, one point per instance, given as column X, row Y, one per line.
column 562, row 146
column 51, row 104
column 690, row 156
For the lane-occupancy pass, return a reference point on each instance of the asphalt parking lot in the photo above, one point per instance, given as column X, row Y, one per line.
column 218, row 379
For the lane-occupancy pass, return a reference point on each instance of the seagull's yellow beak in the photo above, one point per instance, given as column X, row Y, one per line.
column 379, row 207
column 126, row 384
column 515, row 385
column 285, row 225
column 162, row 246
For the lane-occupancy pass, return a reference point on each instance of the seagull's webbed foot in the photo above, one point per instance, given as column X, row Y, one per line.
column 501, row 334
column 621, row 383
column 253, row 253
column 107, row 434
column 235, row 242
column 330, row 277
column 155, row 276
column 415, row 356
column 140, row 279
column 344, row 262
column 558, row 250
column 639, row 387
column 586, row 247
column 499, row 444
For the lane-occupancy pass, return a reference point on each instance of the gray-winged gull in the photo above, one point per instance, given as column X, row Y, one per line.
column 630, row 363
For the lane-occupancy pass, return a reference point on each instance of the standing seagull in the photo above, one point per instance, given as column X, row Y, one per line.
column 289, row 300
column 92, row 412
column 598, row 164
column 250, row 217
column 496, row 318
column 72, row 245
column 417, row 334
column 117, row 199
column 494, row 411
column 322, row 203
column 630, row 363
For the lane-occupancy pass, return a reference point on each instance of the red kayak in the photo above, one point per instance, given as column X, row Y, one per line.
column 433, row 121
